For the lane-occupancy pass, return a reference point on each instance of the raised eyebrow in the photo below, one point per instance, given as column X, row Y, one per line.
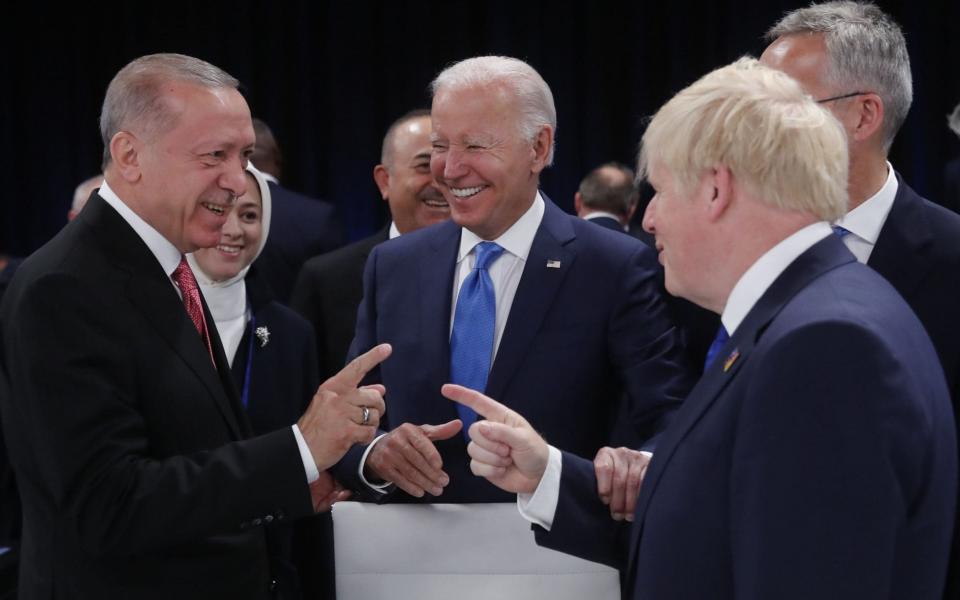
column 421, row 156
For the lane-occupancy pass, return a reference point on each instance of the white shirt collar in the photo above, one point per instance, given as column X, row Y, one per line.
column 760, row 276
column 598, row 214
column 866, row 220
column 516, row 240
column 166, row 253
column 394, row 232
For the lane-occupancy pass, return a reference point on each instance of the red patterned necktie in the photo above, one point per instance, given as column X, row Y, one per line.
column 187, row 283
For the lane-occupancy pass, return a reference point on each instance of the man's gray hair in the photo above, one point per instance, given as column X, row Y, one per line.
column 866, row 50
column 135, row 95
column 611, row 188
column 533, row 95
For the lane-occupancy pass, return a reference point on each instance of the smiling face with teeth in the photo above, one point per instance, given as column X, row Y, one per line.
column 239, row 239
column 485, row 168
column 184, row 180
column 404, row 177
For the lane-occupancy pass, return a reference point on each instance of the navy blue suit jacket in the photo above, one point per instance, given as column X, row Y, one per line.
column 300, row 227
column 816, row 458
column 579, row 338
column 918, row 251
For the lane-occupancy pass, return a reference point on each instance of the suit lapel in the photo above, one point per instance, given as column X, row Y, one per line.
column 538, row 288
column 151, row 292
column 435, row 295
column 905, row 235
column 823, row 256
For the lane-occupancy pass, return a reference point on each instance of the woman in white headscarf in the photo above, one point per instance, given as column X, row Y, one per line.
column 272, row 356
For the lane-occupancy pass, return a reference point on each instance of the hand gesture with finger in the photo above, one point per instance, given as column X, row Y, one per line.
column 504, row 448
column 342, row 414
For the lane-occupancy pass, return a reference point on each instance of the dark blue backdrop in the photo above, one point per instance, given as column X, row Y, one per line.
column 330, row 76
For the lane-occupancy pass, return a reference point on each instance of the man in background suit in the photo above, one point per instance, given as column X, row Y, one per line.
column 498, row 291
column 607, row 196
column 852, row 58
column 301, row 226
column 138, row 474
column 330, row 286
column 816, row 457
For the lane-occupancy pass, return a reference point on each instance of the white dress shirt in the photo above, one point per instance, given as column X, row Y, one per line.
column 169, row 258
column 865, row 221
column 505, row 273
column 541, row 506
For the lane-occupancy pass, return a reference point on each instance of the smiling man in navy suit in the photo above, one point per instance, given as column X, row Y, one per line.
column 816, row 457
column 495, row 299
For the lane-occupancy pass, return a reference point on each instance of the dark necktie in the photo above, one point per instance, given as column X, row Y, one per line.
column 187, row 283
column 718, row 342
column 840, row 231
column 474, row 328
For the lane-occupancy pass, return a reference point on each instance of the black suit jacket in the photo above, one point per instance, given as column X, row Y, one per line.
column 300, row 227
column 918, row 251
column 129, row 445
column 328, row 292
column 277, row 375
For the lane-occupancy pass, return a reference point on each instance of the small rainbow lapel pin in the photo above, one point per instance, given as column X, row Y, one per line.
column 731, row 359
column 553, row 264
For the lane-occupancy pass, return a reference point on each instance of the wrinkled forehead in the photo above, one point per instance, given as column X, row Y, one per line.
column 487, row 110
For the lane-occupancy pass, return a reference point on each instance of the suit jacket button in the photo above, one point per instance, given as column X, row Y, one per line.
column 273, row 585
column 256, row 522
column 280, row 514
column 268, row 519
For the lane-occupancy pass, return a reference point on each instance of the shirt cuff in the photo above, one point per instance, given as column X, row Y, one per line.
column 540, row 507
column 380, row 488
column 309, row 465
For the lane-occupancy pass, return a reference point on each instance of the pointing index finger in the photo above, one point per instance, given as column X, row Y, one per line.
column 351, row 375
column 484, row 406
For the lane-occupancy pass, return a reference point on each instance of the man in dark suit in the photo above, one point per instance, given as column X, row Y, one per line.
column 607, row 196
column 563, row 356
column 301, row 226
column 138, row 474
column 816, row 457
column 853, row 59
column 330, row 286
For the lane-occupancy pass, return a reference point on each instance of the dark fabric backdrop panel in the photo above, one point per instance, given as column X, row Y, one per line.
column 330, row 76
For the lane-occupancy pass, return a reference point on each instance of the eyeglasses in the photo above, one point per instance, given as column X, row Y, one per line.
column 841, row 97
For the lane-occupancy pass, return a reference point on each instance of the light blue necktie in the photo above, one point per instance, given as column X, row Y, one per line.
column 718, row 342
column 474, row 327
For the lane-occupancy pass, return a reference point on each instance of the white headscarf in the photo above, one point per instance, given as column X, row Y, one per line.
column 227, row 299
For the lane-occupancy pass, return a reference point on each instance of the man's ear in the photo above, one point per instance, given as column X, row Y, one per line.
column 381, row 176
column 722, row 182
column 870, row 115
column 577, row 203
column 125, row 149
column 541, row 148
